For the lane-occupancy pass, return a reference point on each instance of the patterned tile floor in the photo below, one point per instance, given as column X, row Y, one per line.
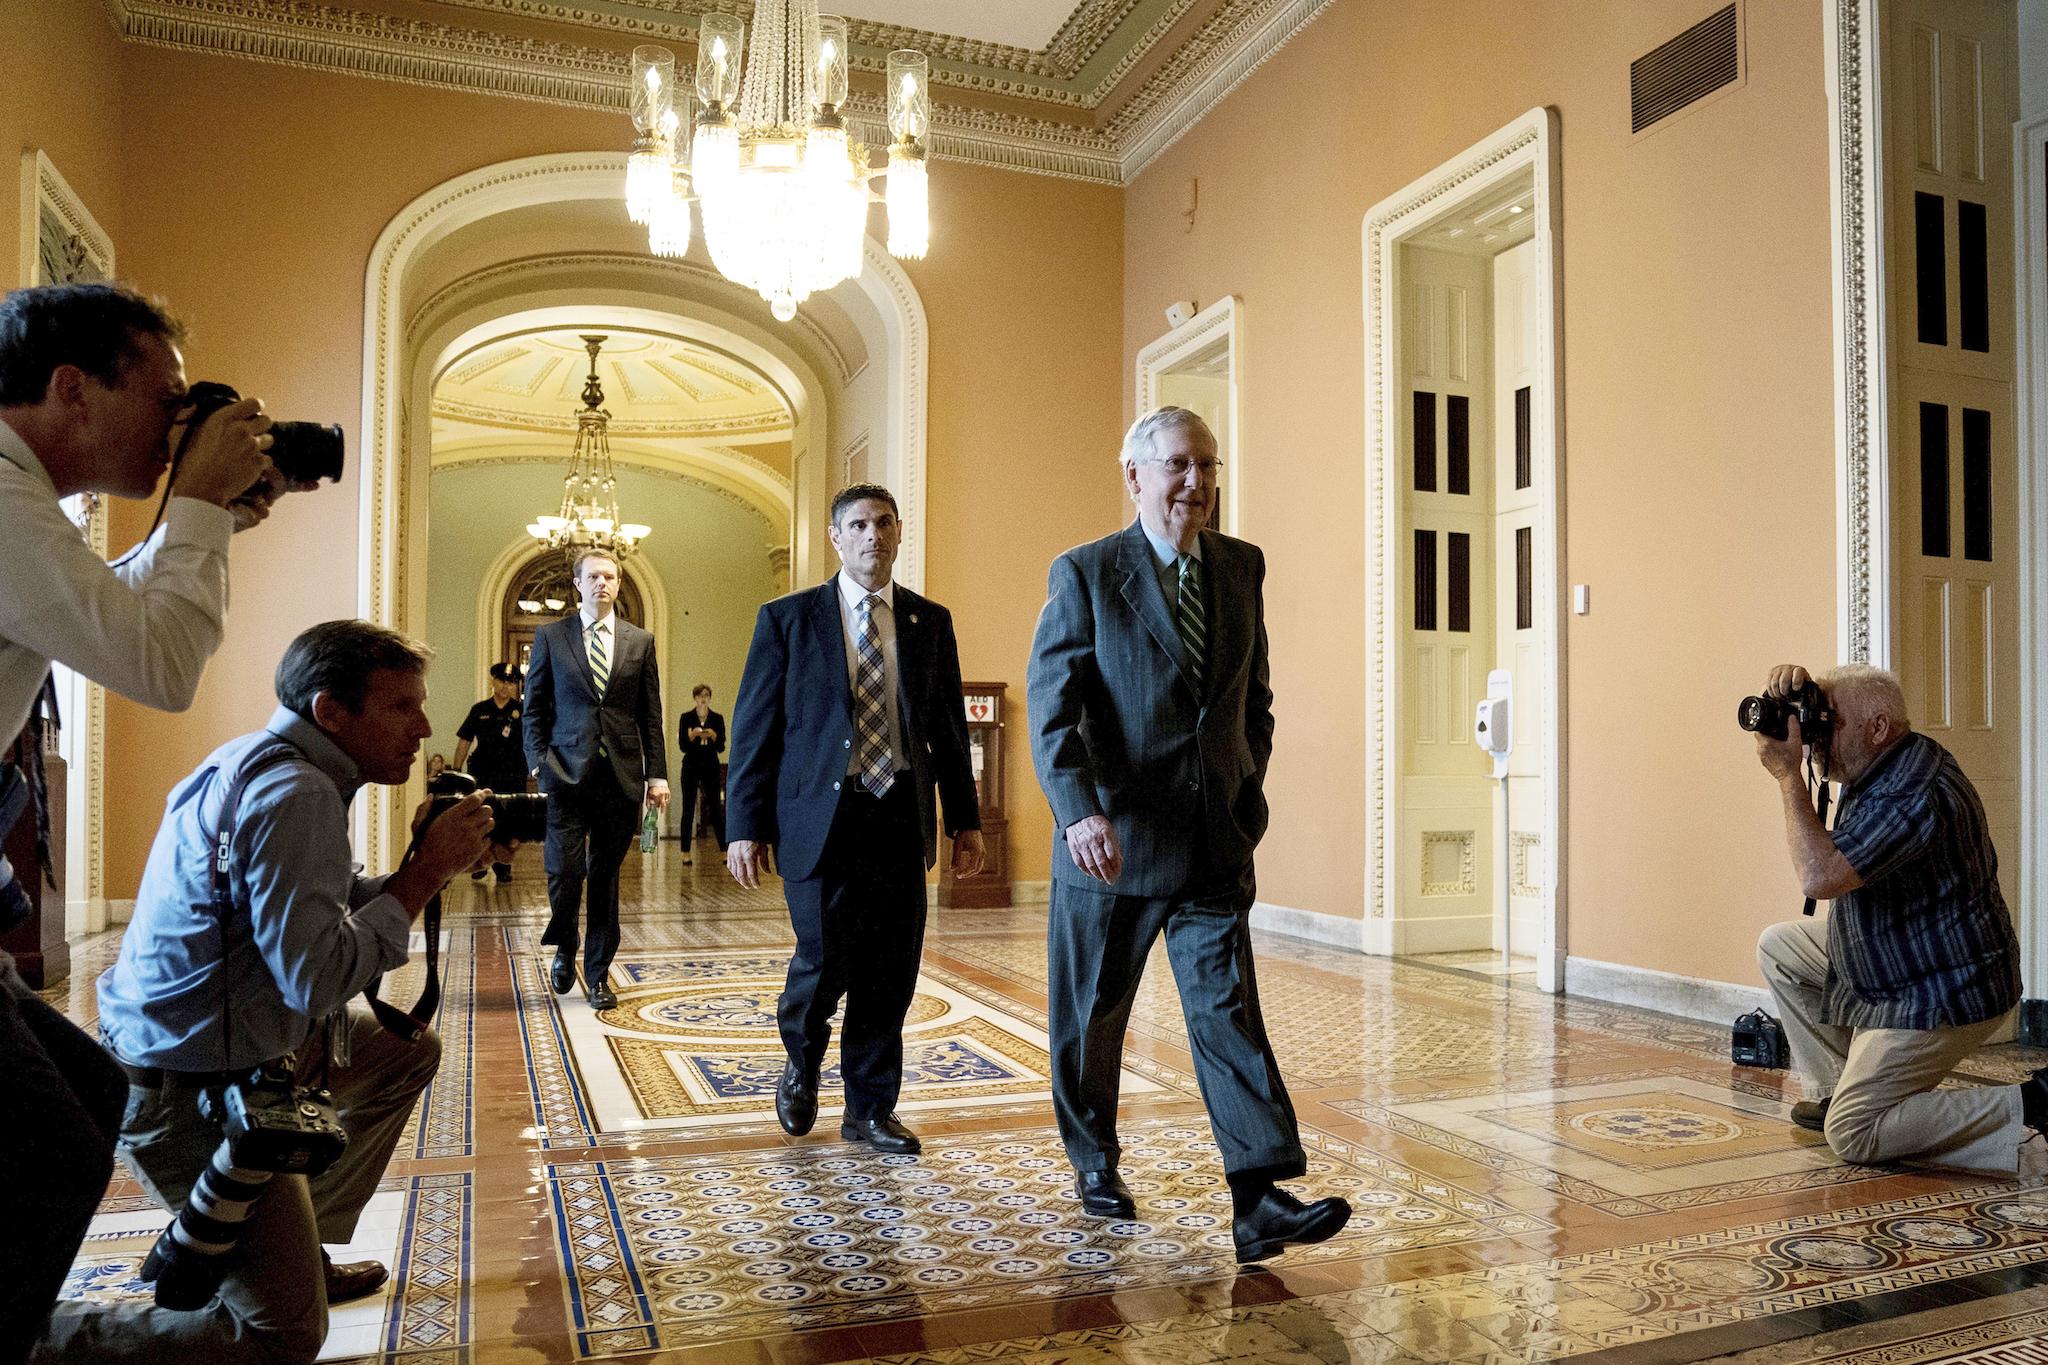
column 1535, row 1178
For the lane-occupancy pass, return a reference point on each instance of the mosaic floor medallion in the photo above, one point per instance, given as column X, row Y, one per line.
column 672, row 1250
column 692, row 1043
column 1643, row 1144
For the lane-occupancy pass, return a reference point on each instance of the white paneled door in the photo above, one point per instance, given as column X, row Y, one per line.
column 1950, row 95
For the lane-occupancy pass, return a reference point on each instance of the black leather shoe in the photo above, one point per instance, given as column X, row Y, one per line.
column 1104, row 1194
column 882, row 1132
column 351, row 1279
column 562, row 975
column 1280, row 1218
column 1812, row 1114
column 601, row 995
column 796, row 1100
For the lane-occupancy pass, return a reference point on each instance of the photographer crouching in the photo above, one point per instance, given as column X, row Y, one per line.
column 1916, row 963
column 246, row 963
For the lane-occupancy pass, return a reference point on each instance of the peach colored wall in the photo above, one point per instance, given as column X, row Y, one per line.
column 61, row 109
column 1697, row 443
column 1023, row 289
column 255, row 194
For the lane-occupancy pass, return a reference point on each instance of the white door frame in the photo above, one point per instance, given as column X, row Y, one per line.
column 2030, row 197
column 1526, row 146
column 1220, row 321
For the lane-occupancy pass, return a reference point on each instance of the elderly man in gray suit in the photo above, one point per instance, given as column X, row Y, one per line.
column 1151, row 726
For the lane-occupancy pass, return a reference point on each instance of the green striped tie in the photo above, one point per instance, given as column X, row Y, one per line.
column 1190, row 618
column 600, row 666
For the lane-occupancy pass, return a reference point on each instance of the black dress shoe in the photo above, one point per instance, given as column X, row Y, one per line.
column 796, row 1100
column 562, row 975
column 1812, row 1114
column 351, row 1279
column 601, row 996
column 1104, row 1194
column 882, row 1132
column 1279, row 1218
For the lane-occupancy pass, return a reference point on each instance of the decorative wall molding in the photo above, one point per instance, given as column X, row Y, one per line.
column 2030, row 199
column 62, row 242
column 1856, row 194
column 738, row 298
column 625, row 460
column 1231, row 43
column 1528, row 145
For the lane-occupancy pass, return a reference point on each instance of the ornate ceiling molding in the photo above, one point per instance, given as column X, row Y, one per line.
column 498, row 419
column 1228, row 46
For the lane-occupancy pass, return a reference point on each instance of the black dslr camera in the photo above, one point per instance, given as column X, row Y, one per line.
column 304, row 452
column 274, row 1126
column 514, row 815
column 1808, row 704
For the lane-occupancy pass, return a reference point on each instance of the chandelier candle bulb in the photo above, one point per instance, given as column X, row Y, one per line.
column 909, row 200
column 831, row 67
column 654, row 119
column 910, row 100
column 720, row 40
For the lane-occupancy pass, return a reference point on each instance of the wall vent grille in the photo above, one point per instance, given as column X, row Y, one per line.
column 1691, row 66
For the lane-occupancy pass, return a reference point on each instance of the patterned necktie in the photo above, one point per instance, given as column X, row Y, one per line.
column 600, row 665
column 1191, row 620
column 600, row 673
column 871, row 722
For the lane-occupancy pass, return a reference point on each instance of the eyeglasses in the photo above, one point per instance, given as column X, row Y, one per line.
column 1177, row 466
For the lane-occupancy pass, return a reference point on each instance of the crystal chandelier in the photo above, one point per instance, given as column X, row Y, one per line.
column 589, row 519
column 783, row 187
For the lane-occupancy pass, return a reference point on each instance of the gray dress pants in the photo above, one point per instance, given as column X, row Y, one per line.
column 1096, row 949
column 272, row 1305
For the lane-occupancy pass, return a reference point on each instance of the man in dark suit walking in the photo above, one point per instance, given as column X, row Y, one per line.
column 1151, row 727
column 593, row 735
column 703, row 741
column 849, row 732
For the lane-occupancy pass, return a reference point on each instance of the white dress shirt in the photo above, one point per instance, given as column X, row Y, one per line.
column 145, row 629
column 850, row 595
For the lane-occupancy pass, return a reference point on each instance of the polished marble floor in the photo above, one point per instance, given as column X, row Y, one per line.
column 1534, row 1178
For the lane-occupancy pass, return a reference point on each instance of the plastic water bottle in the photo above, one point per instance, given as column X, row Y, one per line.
column 650, row 828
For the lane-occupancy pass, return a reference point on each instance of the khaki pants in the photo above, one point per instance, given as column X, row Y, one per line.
column 1882, row 1081
column 272, row 1306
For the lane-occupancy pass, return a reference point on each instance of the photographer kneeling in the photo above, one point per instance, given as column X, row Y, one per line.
column 1916, row 963
column 221, row 975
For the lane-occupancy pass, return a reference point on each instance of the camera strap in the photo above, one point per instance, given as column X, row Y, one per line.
column 1817, row 783
column 271, row 752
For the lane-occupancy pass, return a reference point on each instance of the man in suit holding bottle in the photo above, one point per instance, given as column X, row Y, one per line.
column 848, row 734
column 593, row 736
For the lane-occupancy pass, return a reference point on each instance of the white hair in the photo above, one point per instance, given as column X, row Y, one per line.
column 1141, row 442
column 1875, row 689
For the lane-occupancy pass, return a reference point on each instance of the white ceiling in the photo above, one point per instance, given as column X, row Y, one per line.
column 1027, row 24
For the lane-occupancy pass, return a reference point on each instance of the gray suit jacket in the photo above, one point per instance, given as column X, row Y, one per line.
column 1117, row 728
column 565, row 717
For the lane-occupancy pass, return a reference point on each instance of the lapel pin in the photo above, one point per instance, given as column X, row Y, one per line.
column 913, row 618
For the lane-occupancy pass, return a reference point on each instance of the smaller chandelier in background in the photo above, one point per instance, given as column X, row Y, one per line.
column 783, row 186
column 589, row 517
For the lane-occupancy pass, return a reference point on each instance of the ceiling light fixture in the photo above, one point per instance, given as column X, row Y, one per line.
column 783, row 186
column 589, row 517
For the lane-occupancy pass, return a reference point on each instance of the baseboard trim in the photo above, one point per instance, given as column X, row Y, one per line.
column 120, row 912
column 1339, row 931
column 1030, row 893
column 1688, row 997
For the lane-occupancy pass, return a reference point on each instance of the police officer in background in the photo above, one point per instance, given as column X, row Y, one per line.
column 493, row 745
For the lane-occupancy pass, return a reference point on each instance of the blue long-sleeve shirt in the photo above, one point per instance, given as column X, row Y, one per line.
column 190, row 993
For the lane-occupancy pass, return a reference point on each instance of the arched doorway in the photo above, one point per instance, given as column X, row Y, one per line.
column 542, row 592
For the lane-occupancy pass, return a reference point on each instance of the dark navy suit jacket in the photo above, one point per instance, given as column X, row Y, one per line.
column 792, row 726
column 565, row 718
